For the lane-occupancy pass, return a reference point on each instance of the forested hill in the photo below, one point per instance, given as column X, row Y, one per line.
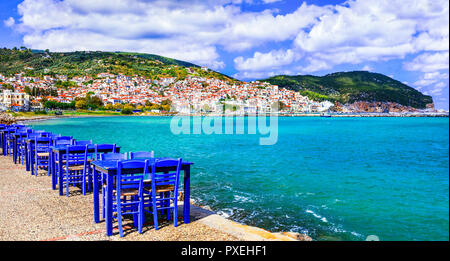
column 91, row 63
column 349, row 87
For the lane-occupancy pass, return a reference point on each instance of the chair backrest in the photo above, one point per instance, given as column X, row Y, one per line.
column 166, row 179
column 25, row 130
column 32, row 136
column 100, row 147
column 133, row 177
column 82, row 142
column 63, row 140
column 142, row 155
column 41, row 144
column 43, row 133
column 76, row 154
column 113, row 156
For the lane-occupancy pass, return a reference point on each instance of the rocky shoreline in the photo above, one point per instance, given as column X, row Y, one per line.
column 7, row 119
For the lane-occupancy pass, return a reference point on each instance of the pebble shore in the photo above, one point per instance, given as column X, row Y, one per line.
column 31, row 210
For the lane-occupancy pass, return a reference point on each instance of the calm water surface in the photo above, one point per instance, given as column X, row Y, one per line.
column 332, row 178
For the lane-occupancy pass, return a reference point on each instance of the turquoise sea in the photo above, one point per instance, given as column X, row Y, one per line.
column 332, row 178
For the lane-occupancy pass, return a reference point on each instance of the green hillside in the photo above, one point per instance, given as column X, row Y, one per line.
column 348, row 87
column 81, row 63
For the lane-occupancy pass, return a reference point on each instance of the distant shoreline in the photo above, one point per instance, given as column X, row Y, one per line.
column 362, row 115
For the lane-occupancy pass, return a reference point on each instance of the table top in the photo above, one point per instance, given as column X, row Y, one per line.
column 91, row 148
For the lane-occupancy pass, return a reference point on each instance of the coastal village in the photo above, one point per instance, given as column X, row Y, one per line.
column 192, row 95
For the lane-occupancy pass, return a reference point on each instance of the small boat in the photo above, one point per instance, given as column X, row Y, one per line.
column 325, row 115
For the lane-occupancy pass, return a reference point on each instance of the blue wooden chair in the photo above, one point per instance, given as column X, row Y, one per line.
column 129, row 191
column 43, row 133
column 21, row 145
column 62, row 140
column 30, row 151
column 41, row 153
column 97, row 156
column 164, row 190
column 142, row 155
column 102, row 178
column 82, row 142
column 114, row 156
column 9, row 139
column 99, row 147
column 75, row 167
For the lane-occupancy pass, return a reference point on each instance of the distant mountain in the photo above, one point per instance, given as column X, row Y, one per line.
column 349, row 87
column 91, row 63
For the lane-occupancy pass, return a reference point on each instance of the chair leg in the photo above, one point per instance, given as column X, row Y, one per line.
column 168, row 205
column 48, row 166
column 35, row 167
column 135, row 215
column 67, row 184
column 175, row 213
column 155, row 216
column 103, row 201
column 88, row 178
column 83, row 183
column 141, row 215
column 119, row 220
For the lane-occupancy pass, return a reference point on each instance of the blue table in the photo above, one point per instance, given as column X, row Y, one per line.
column 4, row 134
column 109, row 168
column 57, row 152
column 3, row 140
column 16, row 137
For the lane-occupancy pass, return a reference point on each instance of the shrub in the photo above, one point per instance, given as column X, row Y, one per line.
column 43, row 112
column 126, row 111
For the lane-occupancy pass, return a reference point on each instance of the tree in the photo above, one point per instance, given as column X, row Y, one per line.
column 166, row 102
column 81, row 104
column 165, row 107
column 127, row 109
column 109, row 107
column 154, row 107
column 27, row 90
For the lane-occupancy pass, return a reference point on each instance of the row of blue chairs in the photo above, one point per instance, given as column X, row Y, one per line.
column 135, row 194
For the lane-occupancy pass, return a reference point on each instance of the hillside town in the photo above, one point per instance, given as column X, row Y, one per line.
column 194, row 94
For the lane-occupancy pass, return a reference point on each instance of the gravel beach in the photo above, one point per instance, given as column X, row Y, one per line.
column 31, row 210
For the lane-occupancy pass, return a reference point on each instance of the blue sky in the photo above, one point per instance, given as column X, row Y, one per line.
column 251, row 39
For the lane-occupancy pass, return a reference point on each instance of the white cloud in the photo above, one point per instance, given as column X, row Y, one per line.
column 367, row 68
column 173, row 28
column 9, row 22
column 376, row 31
column 270, row 1
column 430, row 78
column 178, row 30
column 438, row 88
column 314, row 65
column 263, row 61
column 352, row 33
column 428, row 62
column 248, row 30
column 261, row 74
